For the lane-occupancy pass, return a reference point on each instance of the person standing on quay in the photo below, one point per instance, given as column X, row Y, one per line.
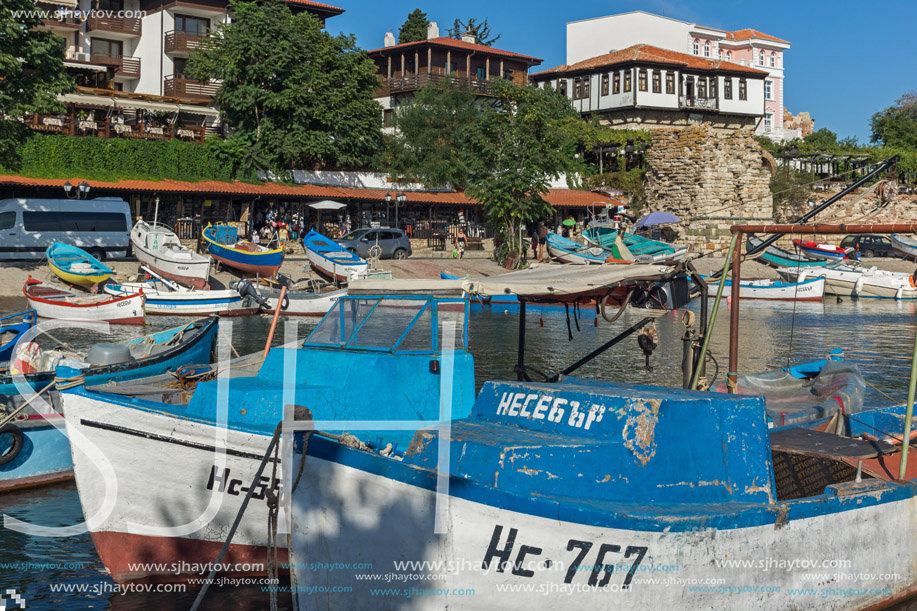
column 542, row 238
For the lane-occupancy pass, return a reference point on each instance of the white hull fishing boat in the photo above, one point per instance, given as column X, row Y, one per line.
column 294, row 303
column 811, row 289
column 166, row 298
column 332, row 260
column 51, row 302
column 158, row 247
column 851, row 281
column 904, row 246
column 161, row 441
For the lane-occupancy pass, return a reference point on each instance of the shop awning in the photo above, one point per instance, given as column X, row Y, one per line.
column 327, row 204
column 100, row 100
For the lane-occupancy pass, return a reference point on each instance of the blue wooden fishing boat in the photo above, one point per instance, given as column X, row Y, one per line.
column 332, row 260
column 12, row 327
column 778, row 257
column 568, row 251
column 76, row 266
column 223, row 245
column 605, row 237
column 388, row 364
column 34, row 450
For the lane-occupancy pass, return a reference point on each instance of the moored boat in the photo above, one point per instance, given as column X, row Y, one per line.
column 778, row 257
column 810, row 289
column 52, row 302
column 157, row 246
column 851, row 280
column 34, row 450
column 76, row 266
column 568, row 251
column 294, row 303
column 332, row 260
column 820, row 251
column 12, row 326
column 605, row 237
column 165, row 298
column 904, row 246
column 223, row 245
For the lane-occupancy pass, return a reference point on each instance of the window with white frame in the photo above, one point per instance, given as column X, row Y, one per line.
column 768, row 121
column 728, row 56
column 768, row 90
column 707, row 49
column 761, row 58
column 696, row 47
column 773, row 59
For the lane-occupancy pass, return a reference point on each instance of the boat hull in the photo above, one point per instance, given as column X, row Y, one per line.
column 126, row 310
column 303, row 304
column 333, row 270
column 193, row 275
column 44, row 457
column 904, row 247
column 359, row 512
column 571, row 257
column 81, row 279
column 810, row 290
column 227, row 302
column 261, row 263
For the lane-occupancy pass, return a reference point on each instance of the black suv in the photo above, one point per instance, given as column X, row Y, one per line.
column 869, row 245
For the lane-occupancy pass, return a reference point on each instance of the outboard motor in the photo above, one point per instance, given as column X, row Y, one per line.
column 246, row 288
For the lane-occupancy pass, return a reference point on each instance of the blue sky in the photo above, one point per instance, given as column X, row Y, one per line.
column 848, row 59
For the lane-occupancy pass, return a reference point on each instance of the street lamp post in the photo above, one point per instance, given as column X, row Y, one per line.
column 78, row 192
column 399, row 200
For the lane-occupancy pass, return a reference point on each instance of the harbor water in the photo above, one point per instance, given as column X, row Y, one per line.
column 877, row 335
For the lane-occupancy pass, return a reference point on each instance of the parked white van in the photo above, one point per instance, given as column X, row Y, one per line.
column 100, row 226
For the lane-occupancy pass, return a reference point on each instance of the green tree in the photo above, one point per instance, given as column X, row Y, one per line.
column 301, row 97
column 504, row 150
column 897, row 125
column 415, row 28
column 31, row 73
column 480, row 30
column 822, row 139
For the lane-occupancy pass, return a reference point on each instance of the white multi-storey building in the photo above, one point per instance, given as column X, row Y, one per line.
column 647, row 86
column 600, row 36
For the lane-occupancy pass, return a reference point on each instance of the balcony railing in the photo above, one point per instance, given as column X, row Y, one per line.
column 127, row 67
column 112, row 128
column 63, row 23
column 181, row 42
column 118, row 25
column 181, row 87
column 685, row 101
column 414, row 82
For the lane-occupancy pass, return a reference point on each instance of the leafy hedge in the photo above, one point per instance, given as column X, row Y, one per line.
column 93, row 158
column 876, row 154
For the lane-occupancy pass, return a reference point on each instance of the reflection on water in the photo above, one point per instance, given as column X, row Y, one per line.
column 878, row 335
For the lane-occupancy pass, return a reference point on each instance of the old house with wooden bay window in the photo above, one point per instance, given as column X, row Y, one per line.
column 407, row 67
column 645, row 86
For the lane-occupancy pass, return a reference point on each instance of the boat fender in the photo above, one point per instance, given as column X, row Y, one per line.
column 858, row 287
column 801, row 277
column 286, row 303
column 914, row 279
column 899, row 292
column 18, row 441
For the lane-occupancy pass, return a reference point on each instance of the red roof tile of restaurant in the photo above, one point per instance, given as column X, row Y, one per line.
column 748, row 33
column 651, row 54
column 445, row 41
column 556, row 197
column 327, row 8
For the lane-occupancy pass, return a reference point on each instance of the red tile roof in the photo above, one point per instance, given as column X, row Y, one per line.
column 654, row 55
column 325, row 8
column 445, row 41
column 556, row 197
column 749, row 33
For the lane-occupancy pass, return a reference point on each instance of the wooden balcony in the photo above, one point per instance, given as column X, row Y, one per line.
column 71, row 125
column 181, row 42
column 696, row 103
column 127, row 67
column 68, row 24
column 181, row 87
column 115, row 25
column 413, row 82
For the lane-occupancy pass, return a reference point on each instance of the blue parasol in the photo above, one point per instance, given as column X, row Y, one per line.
column 657, row 218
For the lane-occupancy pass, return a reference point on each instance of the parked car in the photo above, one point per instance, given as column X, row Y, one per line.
column 100, row 226
column 393, row 242
column 869, row 245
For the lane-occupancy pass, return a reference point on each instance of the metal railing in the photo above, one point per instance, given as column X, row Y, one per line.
column 685, row 101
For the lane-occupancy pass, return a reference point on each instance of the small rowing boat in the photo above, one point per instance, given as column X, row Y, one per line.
column 158, row 247
column 51, row 302
column 777, row 257
column 812, row 289
column 904, row 246
column 76, row 266
column 821, row 252
column 568, row 251
column 223, row 245
column 332, row 260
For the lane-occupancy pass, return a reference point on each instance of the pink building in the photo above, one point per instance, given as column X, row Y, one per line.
column 591, row 38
